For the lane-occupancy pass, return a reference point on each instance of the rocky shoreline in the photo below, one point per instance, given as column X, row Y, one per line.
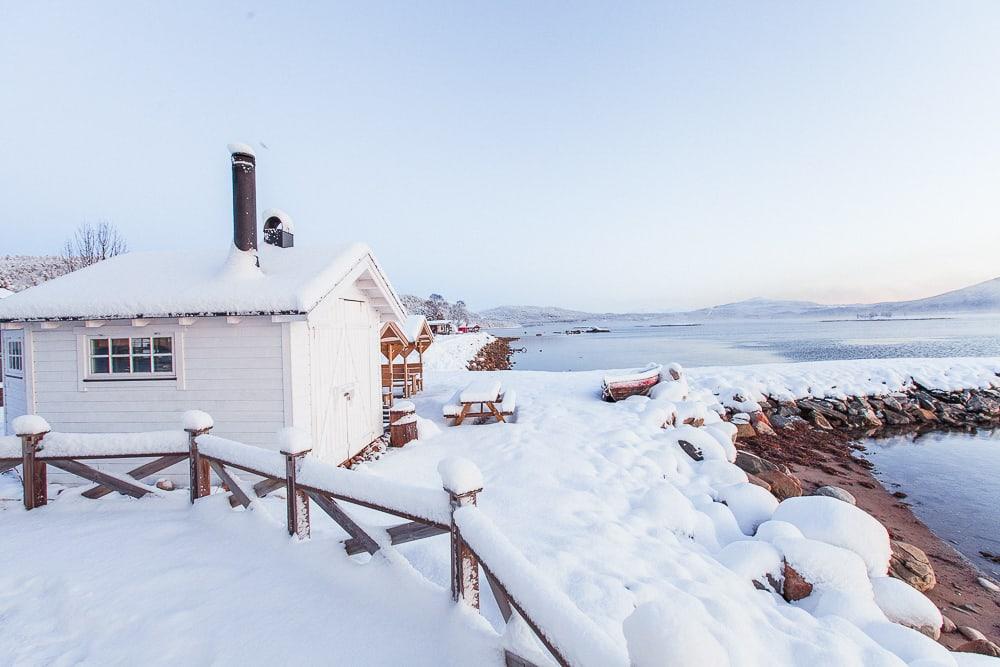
column 494, row 356
column 808, row 446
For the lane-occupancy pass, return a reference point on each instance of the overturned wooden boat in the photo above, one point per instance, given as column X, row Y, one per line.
column 631, row 383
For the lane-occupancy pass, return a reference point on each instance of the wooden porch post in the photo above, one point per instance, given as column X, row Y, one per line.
column 296, row 499
column 34, row 474
column 464, row 565
column 199, row 470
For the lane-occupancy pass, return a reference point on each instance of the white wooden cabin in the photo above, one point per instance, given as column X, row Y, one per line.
column 132, row 342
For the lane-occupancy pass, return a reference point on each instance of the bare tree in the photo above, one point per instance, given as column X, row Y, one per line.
column 92, row 243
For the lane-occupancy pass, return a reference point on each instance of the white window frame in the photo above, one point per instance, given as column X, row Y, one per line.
column 130, row 375
column 87, row 382
column 9, row 356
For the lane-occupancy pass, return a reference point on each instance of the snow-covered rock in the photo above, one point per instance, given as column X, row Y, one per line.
column 840, row 524
column 750, row 504
column 904, row 604
column 659, row 634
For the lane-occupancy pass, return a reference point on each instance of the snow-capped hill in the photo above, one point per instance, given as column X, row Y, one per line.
column 981, row 297
column 758, row 307
column 537, row 314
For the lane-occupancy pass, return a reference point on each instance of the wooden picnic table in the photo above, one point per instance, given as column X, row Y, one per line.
column 488, row 395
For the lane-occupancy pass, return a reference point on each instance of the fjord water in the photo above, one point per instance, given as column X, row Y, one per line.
column 730, row 342
column 953, row 482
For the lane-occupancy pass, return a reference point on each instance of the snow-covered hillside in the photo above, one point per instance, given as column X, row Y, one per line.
column 454, row 352
column 19, row 272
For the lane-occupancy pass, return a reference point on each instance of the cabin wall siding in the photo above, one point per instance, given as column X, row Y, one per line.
column 231, row 371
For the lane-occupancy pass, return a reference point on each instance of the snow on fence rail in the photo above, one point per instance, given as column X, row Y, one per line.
column 559, row 624
column 570, row 637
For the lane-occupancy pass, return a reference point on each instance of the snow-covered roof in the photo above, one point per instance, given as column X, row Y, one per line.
column 413, row 326
column 191, row 283
column 439, row 322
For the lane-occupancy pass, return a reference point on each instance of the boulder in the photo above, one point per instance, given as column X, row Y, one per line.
column 910, row 564
column 754, row 479
column 971, row 633
column 982, row 405
column 165, row 484
column 782, row 484
column 745, row 431
column 892, row 403
column 820, row 421
column 924, row 415
column 947, row 625
column 786, row 421
column 836, row 492
column 753, row 464
column 980, row 646
column 795, row 587
column 691, row 450
column 761, row 424
column 893, row 418
column 988, row 585
column 831, row 409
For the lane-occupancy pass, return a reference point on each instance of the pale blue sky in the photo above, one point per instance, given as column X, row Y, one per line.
column 600, row 156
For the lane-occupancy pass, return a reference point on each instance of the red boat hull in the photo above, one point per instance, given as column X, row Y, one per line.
column 617, row 391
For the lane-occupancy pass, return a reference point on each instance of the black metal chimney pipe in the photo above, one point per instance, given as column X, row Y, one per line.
column 244, row 197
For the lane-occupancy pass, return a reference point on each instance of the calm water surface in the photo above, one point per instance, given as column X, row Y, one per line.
column 750, row 342
column 953, row 483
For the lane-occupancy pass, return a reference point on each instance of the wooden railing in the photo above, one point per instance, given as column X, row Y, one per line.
column 475, row 542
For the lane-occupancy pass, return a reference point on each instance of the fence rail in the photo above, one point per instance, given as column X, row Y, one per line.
column 515, row 586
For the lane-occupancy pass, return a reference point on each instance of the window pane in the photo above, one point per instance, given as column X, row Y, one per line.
column 99, row 365
column 161, row 345
column 99, row 346
column 141, row 364
column 119, row 346
column 120, row 364
column 163, row 364
column 140, row 346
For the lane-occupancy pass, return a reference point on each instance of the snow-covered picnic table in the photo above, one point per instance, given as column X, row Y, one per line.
column 490, row 397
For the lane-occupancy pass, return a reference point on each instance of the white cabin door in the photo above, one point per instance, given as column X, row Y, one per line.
column 15, row 359
column 359, row 373
column 345, row 370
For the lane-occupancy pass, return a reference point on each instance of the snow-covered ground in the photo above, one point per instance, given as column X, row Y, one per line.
column 606, row 504
column 454, row 352
column 600, row 499
column 155, row 581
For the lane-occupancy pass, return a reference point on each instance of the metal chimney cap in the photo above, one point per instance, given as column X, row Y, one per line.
column 241, row 148
column 283, row 218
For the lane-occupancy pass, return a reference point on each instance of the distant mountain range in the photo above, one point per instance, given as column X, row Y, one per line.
column 981, row 298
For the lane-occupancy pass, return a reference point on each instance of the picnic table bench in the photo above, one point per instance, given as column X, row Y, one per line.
column 488, row 395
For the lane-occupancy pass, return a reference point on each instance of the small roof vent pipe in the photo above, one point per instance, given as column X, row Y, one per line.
column 244, row 198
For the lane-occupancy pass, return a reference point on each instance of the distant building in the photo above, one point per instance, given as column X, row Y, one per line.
column 442, row 326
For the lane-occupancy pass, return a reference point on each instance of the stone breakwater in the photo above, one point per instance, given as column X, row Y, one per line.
column 494, row 356
column 918, row 408
column 808, row 446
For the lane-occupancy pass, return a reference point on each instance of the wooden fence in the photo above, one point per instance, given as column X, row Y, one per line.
column 475, row 543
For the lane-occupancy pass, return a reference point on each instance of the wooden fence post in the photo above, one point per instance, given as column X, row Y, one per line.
column 296, row 499
column 464, row 565
column 199, row 470
column 34, row 475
